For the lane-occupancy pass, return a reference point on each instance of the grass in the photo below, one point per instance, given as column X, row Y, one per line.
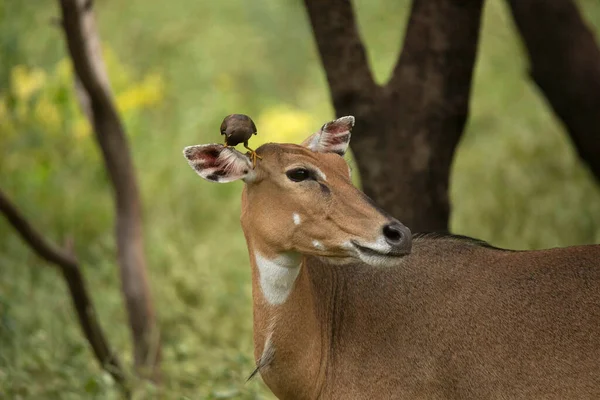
column 516, row 182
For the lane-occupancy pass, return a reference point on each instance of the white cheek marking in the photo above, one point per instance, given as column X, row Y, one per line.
column 318, row 245
column 296, row 218
column 347, row 245
column 277, row 276
column 380, row 245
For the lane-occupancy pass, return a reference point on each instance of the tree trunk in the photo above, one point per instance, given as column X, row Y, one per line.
column 84, row 46
column 407, row 130
column 565, row 65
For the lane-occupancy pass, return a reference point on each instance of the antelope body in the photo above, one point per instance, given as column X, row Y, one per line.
column 348, row 306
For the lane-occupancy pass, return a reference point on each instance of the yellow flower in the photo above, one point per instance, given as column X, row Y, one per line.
column 128, row 100
column 284, row 124
column 145, row 94
column 24, row 83
column 56, row 103
column 46, row 112
column 153, row 88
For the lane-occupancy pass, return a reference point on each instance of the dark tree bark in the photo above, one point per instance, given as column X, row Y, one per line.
column 565, row 65
column 407, row 130
column 68, row 265
column 84, row 46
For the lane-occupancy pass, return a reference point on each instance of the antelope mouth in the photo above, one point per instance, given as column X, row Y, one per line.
column 378, row 256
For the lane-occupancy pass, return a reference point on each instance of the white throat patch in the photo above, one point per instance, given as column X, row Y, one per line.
column 277, row 276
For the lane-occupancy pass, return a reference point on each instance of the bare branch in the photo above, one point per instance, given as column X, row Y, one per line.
column 84, row 46
column 68, row 265
column 38, row 243
column 565, row 64
column 342, row 52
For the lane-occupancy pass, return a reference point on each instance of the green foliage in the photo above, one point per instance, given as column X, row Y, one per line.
column 517, row 181
column 176, row 71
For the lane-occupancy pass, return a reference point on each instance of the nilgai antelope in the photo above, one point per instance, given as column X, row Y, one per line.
column 348, row 305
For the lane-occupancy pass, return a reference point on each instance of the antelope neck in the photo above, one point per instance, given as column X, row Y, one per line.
column 291, row 327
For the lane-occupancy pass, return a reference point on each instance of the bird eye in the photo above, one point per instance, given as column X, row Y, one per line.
column 298, row 174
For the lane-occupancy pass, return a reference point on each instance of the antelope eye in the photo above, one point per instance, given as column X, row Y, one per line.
column 298, row 174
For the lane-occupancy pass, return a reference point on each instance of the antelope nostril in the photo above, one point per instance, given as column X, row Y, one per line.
column 393, row 233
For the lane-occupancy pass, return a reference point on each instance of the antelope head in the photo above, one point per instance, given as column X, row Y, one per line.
column 300, row 200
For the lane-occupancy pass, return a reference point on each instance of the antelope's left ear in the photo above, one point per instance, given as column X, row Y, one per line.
column 217, row 163
column 334, row 137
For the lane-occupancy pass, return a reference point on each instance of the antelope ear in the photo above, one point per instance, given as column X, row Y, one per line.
column 334, row 137
column 217, row 163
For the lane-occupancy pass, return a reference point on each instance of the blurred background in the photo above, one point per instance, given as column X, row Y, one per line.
column 177, row 68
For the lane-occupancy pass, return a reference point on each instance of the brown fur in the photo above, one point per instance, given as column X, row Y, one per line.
column 454, row 320
column 270, row 201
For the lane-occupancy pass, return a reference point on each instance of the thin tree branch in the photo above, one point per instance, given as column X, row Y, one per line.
column 84, row 46
column 342, row 52
column 80, row 297
column 38, row 243
column 565, row 65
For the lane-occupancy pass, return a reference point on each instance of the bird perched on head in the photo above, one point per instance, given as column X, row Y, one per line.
column 239, row 128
